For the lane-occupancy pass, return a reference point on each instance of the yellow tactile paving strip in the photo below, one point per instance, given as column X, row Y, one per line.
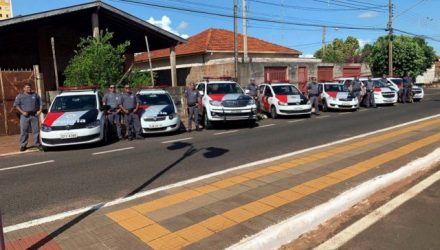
column 158, row 237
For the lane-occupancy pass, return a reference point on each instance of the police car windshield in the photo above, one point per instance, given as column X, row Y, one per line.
column 379, row 84
column 154, row 99
column 335, row 87
column 397, row 81
column 224, row 88
column 74, row 103
column 285, row 90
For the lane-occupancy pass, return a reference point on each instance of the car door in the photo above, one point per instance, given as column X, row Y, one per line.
column 267, row 98
column 261, row 95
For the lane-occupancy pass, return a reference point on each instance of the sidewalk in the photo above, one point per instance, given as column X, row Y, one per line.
column 9, row 144
column 217, row 212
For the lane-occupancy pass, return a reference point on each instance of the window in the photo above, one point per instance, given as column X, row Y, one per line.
column 261, row 89
column 267, row 92
column 201, row 87
column 74, row 103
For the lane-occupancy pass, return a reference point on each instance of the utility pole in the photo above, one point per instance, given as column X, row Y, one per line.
column 245, row 43
column 235, row 41
column 324, row 45
column 390, row 38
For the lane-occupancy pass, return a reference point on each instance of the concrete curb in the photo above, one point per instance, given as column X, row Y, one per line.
column 282, row 233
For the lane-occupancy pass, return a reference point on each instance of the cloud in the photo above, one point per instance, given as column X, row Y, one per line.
column 368, row 14
column 182, row 26
column 362, row 42
column 165, row 23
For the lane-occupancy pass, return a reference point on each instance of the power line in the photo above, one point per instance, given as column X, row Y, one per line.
column 297, row 7
column 410, row 8
column 343, row 4
column 249, row 18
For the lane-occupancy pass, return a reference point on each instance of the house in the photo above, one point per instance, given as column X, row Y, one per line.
column 211, row 53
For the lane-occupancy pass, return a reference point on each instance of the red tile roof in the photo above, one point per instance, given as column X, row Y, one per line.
column 219, row 40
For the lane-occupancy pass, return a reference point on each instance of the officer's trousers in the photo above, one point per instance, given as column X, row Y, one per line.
column 114, row 119
column 315, row 104
column 369, row 99
column 357, row 94
column 405, row 94
column 24, row 128
column 133, row 124
column 193, row 113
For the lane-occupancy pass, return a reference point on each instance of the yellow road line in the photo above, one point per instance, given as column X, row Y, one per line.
column 159, row 237
column 174, row 199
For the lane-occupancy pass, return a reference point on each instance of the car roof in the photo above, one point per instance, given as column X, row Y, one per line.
column 216, row 82
column 77, row 92
column 328, row 83
column 152, row 91
column 278, row 83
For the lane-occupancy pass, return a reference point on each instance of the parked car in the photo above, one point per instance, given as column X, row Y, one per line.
column 383, row 93
column 157, row 111
column 283, row 98
column 397, row 84
column 76, row 116
column 224, row 100
column 336, row 95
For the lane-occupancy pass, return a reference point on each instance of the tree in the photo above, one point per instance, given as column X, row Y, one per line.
column 340, row 51
column 138, row 78
column 96, row 62
column 411, row 56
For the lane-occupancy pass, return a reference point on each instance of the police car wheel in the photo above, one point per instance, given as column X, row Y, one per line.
column 206, row 122
column 324, row 106
column 273, row 112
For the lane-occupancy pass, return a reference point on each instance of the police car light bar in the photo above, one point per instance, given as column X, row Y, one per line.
column 79, row 88
column 217, row 77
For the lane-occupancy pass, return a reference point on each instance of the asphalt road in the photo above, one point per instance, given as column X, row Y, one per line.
column 74, row 177
column 414, row 225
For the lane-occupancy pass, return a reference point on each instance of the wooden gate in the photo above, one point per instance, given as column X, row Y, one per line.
column 351, row 71
column 275, row 74
column 12, row 83
column 325, row 73
column 302, row 78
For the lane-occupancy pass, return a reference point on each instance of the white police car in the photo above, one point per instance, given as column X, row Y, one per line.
column 397, row 84
column 76, row 116
column 336, row 95
column 383, row 93
column 224, row 100
column 157, row 111
column 283, row 99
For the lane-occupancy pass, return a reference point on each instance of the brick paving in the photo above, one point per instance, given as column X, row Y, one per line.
column 220, row 211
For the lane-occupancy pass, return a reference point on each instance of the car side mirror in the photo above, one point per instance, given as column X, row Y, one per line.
column 105, row 107
column 246, row 91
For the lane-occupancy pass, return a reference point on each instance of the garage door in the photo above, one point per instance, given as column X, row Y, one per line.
column 302, row 78
column 350, row 71
column 325, row 73
column 275, row 74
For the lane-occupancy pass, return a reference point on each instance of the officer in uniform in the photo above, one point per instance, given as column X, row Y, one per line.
column 369, row 96
column 29, row 105
column 111, row 99
column 313, row 92
column 192, row 97
column 356, row 87
column 253, row 91
column 407, row 88
column 129, row 104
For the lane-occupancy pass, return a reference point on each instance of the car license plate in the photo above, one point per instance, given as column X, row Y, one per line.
column 69, row 136
column 297, row 108
column 158, row 125
column 346, row 103
column 388, row 100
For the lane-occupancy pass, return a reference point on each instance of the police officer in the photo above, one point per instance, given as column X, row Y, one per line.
column 192, row 97
column 253, row 90
column 369, row 96
column 407, row 88
column 313, row 92
column 129, row 104
column 356, row 87
column 29, row 105
column 111, row 98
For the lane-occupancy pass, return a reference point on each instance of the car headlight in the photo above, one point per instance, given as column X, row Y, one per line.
column 93, row 124
column 215, row 103
column 172, row 116
column 308, row 102
column 251, row 102
column 282, row 103
column 46, row 128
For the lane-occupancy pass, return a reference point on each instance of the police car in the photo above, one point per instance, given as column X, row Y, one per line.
column 282, row 98
column 383, row 93
column 397, row 84
column 157, row 111
column 336, row 95
column 76, row 116
column 224, row 100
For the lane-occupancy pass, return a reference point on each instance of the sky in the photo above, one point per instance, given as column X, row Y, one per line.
column 415, row 16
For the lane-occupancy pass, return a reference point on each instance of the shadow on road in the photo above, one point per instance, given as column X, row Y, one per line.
column 211, row 152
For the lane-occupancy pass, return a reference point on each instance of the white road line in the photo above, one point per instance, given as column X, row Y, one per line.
column 361, row 110
column 26, row 165
column 111, row 151
column 359, row 226
column 323, row 116
column 203, row 177
column 345, row 113
column 267, row 125
column 293, row 121
column 183, row 139
column 226, row 132
column 15, row 153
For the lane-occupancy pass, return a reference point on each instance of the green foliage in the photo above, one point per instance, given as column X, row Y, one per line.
column 138, row 78
column 96, row 62
column 340, row 51
column 411, row 56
